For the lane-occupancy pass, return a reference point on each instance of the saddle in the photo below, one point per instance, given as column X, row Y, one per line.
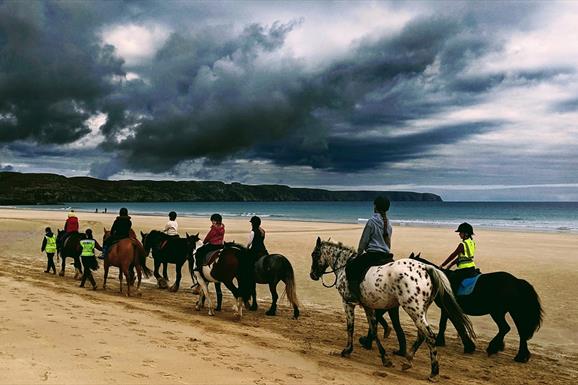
column 212, row 257
column 467, row 285
column 357, row 268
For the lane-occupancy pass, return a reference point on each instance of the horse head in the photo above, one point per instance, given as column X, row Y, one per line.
column 145, row 243
column 105, row 235
column 192, row 242
column 318, row 262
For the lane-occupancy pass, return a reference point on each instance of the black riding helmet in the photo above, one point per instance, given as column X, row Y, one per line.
column 172, row 215
column 465, row 228
column 217, row 218
column 255, row 221
column 123, row 212
column 88, row 233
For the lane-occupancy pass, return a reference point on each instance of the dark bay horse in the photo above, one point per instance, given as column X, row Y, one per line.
column 126, row 254
column 167, row 249
column 404, row 283
column 70, row 249
column 496, row 294
column 232, row 263
column 269, row 270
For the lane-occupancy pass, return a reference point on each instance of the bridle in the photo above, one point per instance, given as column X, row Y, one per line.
column 334, row 271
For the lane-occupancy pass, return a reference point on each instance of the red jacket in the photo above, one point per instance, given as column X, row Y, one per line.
column 216, row 235
column 71, row 225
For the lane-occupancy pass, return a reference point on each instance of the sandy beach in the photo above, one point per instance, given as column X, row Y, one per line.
column 54, row 332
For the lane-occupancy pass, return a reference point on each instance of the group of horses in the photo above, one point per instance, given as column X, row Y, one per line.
column 412, row 283
column 234, row 263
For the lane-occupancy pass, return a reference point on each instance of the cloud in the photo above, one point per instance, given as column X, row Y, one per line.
column 6, row 167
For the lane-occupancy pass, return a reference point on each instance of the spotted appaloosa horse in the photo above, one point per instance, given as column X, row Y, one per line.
column 406, row 283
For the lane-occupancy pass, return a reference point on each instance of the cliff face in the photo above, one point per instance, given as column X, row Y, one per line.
column 27, row 189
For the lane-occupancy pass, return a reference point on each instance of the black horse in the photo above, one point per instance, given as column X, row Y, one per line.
column 269, row 270
column 167, row 249
column 496, row 294
column 70, row 247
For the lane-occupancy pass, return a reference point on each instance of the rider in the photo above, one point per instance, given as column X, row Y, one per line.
column 49, row 245
column 87, row 258
column 463, row 256
column 374, row 247
column 172, row 227
column 256, row 243
column 70, row 227
column 213, row 241
column 121, row 228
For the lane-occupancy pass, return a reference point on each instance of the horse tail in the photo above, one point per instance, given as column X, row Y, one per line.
column 443, row 291
column 290, row 288
column 527, row 310
column 142, row 257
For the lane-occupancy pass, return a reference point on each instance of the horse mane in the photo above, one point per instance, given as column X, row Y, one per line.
column 234, row 245
column 339, row 245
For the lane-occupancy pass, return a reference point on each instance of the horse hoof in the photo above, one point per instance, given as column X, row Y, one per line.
column 61, row 274
column 345, row 353
column 522, row 358
column 365, row 342
column 406, row 366
column 253, row 308
column 387, row 363
column 271, row 312
column 173, row 289
column 212, row 314
column 386, row 332
column 469, row 349
column 218, row 308
column 432, row 378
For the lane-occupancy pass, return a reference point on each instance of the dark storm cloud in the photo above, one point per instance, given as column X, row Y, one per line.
column 215, row 92
column 6, row 167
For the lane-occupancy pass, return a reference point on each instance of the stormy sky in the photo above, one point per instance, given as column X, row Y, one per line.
column 470, row 100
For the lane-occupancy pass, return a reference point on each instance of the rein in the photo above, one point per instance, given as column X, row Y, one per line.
column 335, row 270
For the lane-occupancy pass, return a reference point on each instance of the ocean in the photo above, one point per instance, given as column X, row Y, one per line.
column 528, row 216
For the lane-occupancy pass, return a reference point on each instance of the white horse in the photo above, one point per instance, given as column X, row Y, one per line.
column 406, row 283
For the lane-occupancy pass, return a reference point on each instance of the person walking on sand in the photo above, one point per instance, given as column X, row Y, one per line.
column 374, row 247
column 462, row 257
column 88, row 258
column 49, row 246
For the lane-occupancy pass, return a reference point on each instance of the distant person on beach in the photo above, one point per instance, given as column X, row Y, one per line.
column 213, row 241
column 374, row 247
column 88, row 258
column 462, row 257
column 96, row 210
column 172, row 227
column 256, row 242
column 105, row 210
column 49, row 245
column 121, row 228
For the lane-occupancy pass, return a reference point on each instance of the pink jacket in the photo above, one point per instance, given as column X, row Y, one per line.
column 216, row 235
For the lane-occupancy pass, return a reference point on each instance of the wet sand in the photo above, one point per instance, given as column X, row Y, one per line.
column 54, row 332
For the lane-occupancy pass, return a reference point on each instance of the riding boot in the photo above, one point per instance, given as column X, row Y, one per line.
column 354, row 291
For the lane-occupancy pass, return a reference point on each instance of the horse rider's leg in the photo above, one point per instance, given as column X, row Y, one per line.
column 372, row 321
column 165, row 269
column 497, row 343
column 367, row 341
column 106, row 267
column 273, row 289
column 350, row 314
column 394, row 317
column 219, row 296
column 175, row 287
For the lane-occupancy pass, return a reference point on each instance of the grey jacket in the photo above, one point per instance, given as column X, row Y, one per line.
column 372, row 237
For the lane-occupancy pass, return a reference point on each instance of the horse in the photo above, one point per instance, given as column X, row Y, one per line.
column 232, row 263
column 125, row 254
column 167, row 249
column 405, row 282
column 269, row 270
column 496, row 294
column 70, row 248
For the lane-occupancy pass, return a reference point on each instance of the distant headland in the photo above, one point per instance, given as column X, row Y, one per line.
column 28, row 189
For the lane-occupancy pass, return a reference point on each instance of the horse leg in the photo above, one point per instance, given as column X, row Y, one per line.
column 394, row 317
column 523, row 352
column 219, row 296
column 367, row 341
column 204, row 294
column 120, row 278
column 106, row 267
column 424, row 333
column 63, row 266
column 441, row 337
column 497, row 343
column 372, row 321
column 469, row 345
column 350, row 314
column 175, row 287
column 162, row 284
column 273, row 309
column 165, row 271
column 238, row 306
column 77, row 268
column 138, row 276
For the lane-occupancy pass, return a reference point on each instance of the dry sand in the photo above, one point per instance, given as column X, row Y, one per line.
column 54, row 332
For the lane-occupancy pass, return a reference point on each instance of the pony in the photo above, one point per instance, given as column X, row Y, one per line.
column 496, row 294
column 232, row 263
column 269, row 270
column 167, row 249
column 406, row 283
column 125, row 254
column 70, row 248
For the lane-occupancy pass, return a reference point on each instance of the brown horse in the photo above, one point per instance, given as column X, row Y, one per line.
column 70, row 249
column 232, row 263
column 126, row 254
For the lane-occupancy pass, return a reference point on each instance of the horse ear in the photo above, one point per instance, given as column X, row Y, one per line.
column 418, row 255
column 411, row 255
column 105, row 230
column 197, row 235
column 187, row 235
column 318, row 241
column 141, row 234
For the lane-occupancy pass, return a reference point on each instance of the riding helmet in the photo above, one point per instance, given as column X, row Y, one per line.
column 465, row 228
column 217, row 218
column 123, row 212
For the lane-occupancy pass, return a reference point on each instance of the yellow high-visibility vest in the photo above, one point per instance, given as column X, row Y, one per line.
column 50, row 244
column 88, row 246
column 466, row 259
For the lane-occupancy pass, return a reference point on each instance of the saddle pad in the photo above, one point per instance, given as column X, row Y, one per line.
column 212, row 257
column 468, row 285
